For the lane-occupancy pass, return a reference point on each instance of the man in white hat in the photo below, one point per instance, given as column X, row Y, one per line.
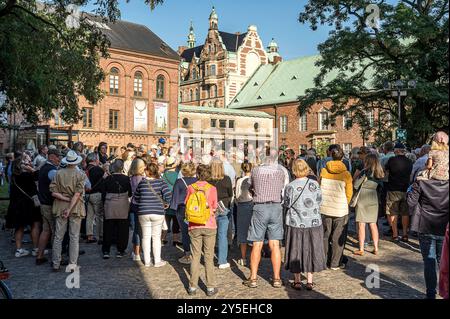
column 154, row 150
column 68, row 208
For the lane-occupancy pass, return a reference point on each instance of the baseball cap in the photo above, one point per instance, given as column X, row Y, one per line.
column 400, row 146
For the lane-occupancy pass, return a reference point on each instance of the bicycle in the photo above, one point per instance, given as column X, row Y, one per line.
column 5, row 293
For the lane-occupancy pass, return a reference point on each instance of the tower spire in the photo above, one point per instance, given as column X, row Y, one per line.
column 191, row 36
column 213, row 19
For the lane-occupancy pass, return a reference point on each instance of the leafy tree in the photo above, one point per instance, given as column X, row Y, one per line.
column 47, row 64
column 410, row 42
column 322, row 148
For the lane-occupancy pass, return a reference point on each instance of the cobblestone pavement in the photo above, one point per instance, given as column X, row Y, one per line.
column 400, row 265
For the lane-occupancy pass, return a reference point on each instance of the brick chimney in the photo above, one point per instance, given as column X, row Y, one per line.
column 276, row 60
column 181, row 50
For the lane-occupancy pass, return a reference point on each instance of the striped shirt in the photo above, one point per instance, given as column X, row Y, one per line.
column 267, row 183
column 149, row 202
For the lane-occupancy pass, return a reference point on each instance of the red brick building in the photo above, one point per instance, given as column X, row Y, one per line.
column 213, row 73
column 275, row 88
column 141, row 93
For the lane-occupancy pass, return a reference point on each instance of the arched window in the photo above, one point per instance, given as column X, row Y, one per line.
column 197, row 94
column 191, row 96
column 114, row 81
column 181, row 96
column 194, row 73
column 160, row 87
column 212, row 69
column 216, row 104
column 138, row 80
column 215, row 91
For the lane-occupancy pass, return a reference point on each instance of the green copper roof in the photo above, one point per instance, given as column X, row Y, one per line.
column 280, row 83
column 222, row 111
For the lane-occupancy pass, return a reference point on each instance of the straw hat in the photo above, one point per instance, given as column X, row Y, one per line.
column 72, row 158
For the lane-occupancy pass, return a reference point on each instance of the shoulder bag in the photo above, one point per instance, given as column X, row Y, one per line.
column 355, row 197
column 34, row 198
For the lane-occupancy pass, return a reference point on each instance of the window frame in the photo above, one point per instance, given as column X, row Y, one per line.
column 224, row 122
column 303, row 123
column 231, row 124
column 88, row 117
column 160, row 87
column 138, row 83
column 215, row 123
column 283, row 124
column 114, row 81
column 321, row 126
column 113, row 120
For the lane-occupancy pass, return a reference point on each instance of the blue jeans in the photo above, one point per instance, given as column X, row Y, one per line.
column 222, row 238
column 186, row 240
column 135, row 225
column 431, row 248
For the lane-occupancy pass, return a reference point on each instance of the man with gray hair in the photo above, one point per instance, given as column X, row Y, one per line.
column 421, row 162
column 95, row 209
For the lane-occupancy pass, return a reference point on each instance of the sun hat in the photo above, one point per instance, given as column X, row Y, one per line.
column 72, row 158
column 170, row 162
column 154, row 146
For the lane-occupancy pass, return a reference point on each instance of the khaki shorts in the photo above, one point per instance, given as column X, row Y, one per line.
column 396, row 204
column 48, row 221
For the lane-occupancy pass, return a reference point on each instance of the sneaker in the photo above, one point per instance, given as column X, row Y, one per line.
column 56, row 268
column 162, row 263
column 71, row 267
column 242, row 262
column 211, row 291
column 35, row 252
column 148, row 265
column 106, row 256
column 135, row 257
column 186, row 259
column 22, row 253
column 224, row 266
column 192, row 291
column 120, row 254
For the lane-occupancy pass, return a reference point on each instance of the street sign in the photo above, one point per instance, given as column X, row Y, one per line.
column 402, row 93
column 401, row 135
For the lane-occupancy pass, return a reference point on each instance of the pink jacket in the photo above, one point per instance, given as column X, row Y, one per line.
column 444, row 267
column 211, row 197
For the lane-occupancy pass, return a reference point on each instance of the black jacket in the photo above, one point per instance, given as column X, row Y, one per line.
column 428, row 202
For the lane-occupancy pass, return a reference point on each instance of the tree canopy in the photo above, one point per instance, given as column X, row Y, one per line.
column 47, row 64
column 409, row 42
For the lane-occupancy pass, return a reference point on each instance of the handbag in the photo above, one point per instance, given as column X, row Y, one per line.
column 34, row 198
column 222, row 210
column 355, row 197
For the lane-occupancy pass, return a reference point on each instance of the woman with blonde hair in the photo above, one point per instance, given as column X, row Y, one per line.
column 368, row 188
column 136, row 173
column 304, row 231
column 224, row 196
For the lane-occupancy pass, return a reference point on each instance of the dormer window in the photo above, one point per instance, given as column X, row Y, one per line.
column 259, row 97
column 255, row 84
column 282, row 94
column 294, row 77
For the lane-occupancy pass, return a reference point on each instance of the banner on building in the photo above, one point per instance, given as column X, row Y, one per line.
column 140, row 116
column 161, row 117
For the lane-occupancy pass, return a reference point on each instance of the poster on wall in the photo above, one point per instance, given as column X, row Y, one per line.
column 140, row 116
column 161, row 117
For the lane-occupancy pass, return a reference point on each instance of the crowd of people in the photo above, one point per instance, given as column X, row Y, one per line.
column 260, row 200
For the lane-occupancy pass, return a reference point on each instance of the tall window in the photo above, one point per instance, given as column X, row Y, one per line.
column 231, row 124
column 303, row 123
column 347, row 147
column 223, row 123
column 214, row 91
column 194, row 73
column 197, row 94
column 181, row 96
column 160, row 87
column 58, row 119
column 283, row 124
column 213, row 69
column 87, row 117
column 323, row 118
column 114, row 81
column 213, row 123
column 370, row 117
column 191, row 95
column 113, row 119
column 216, row 104
column 138, row 80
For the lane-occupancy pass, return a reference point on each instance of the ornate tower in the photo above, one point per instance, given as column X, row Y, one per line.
column 191, row 37
column 213, row 20
column 272, row 47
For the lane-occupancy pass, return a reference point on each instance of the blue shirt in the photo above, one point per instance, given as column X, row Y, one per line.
column 151, row 202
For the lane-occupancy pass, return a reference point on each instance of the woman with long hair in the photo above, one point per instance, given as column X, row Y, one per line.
column 136, row 173
column 224, row 196
column 369, row 187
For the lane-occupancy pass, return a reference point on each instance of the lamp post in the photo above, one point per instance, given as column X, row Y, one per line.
column 399, row 88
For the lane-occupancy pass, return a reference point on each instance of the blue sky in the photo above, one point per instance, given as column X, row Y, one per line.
column 277, row 19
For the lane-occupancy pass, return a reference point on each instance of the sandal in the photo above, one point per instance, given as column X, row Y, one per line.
column 405, row 239
column 296, row 285
column 277, row 283
column 251, row 283
column 310, row 286
column 375, row 252
column 358, row 252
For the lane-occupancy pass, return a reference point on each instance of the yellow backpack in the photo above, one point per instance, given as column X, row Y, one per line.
column 197, row 209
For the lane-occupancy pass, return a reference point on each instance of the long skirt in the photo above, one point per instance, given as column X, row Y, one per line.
column 304, row 250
